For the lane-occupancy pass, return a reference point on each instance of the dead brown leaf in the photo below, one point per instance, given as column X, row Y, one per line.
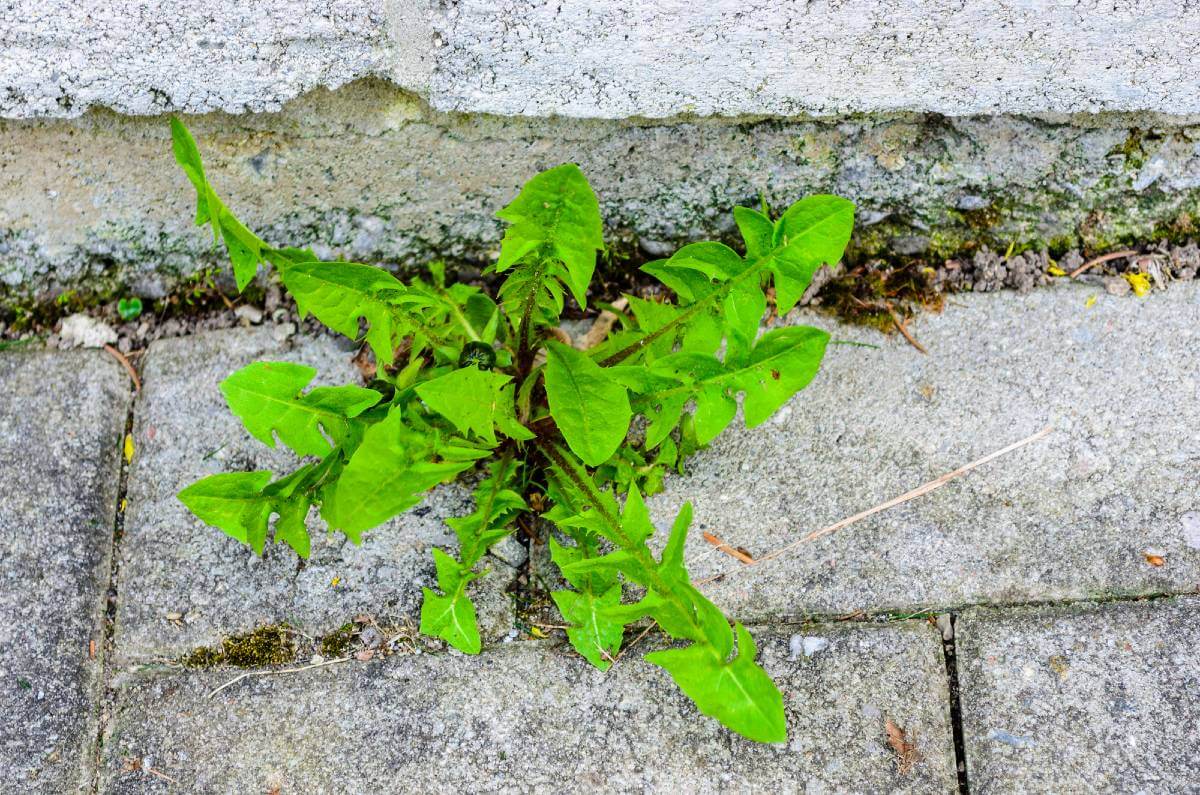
column 906, row 751
column 1153, row 559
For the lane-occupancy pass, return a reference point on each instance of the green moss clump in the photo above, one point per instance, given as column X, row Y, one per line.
column 265, row 646
column 338, row 642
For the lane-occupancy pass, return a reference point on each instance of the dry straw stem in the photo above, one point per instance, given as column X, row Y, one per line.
column 249, row 674
column 922, row 490
column 1098, row 260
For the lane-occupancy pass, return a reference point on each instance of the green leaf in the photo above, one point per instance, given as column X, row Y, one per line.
column 589, row 406
column 267, row 397
column 782, row 363
column 497, row 506
column 556, row 214
column 736, row 692
column 606, row 566
column 389, row 472
column 812, row 232
column 708, row 278
column 232, row 501
column 450, row 617
column 475, row 401
column 532, row 297
column 592, row 634
column 757, row 231
column 672, row 556
column 339, row 294
column 245, row 248
column 187, row 155
column 732, row 689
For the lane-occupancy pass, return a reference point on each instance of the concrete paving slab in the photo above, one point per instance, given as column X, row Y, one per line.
column 1084, row 513
column 62, row 417
column 1095, row 698
column 533, row 716
column 172, row 563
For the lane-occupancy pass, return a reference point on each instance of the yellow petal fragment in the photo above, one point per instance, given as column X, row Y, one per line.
column 1140, row 283
column 128, row 448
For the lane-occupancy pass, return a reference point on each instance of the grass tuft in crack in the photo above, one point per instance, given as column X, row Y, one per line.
column 465, row 382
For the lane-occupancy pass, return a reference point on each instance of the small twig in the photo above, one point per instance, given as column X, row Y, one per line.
column 903, row 329
column 636, row 641
column 135, row 764
column 160, row 774
column 1098, row 260
column 922, row 490
column 732, row 552
column 120, row 357
column 248, row 674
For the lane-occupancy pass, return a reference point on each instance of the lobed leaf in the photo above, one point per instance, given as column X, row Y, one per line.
column 450, row 617
column 592, row 633
column 340, row 294
column 475, row 401
column 389, row 473
column 267, row 397
column 245, row 249
column 555, row 215
column 451, row 614
column 731, row 688
column 737, row 692
column 232, row 501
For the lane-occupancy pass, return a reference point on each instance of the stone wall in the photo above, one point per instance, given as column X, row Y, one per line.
column 391, row 131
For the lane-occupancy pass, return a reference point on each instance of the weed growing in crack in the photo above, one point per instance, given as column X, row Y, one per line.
column 464, row 382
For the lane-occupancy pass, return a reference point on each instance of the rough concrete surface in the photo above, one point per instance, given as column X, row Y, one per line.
column 172, row 563
column 1098, row 698
column 372, row 174
column 535, row 717
column 618, row 58
column 62, row 57
column 62, row 417
column 1076, row 515
column 609, row 59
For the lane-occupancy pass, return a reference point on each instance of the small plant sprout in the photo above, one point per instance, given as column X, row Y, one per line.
column 129, row 308
column 469, row 382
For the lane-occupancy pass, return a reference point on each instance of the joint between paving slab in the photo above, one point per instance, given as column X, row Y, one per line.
column 106, row 651
column 887, row 616
column 950, row 652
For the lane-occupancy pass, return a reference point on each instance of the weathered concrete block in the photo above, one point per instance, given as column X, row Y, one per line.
column 372, row 174
column 172, row 563
column 611, row 59
column 534, row 716
column 618, row 59
column 1073, row 516
column 62, row 417
column 1082, row 698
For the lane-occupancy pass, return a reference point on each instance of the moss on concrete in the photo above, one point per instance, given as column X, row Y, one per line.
column 263, row 647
